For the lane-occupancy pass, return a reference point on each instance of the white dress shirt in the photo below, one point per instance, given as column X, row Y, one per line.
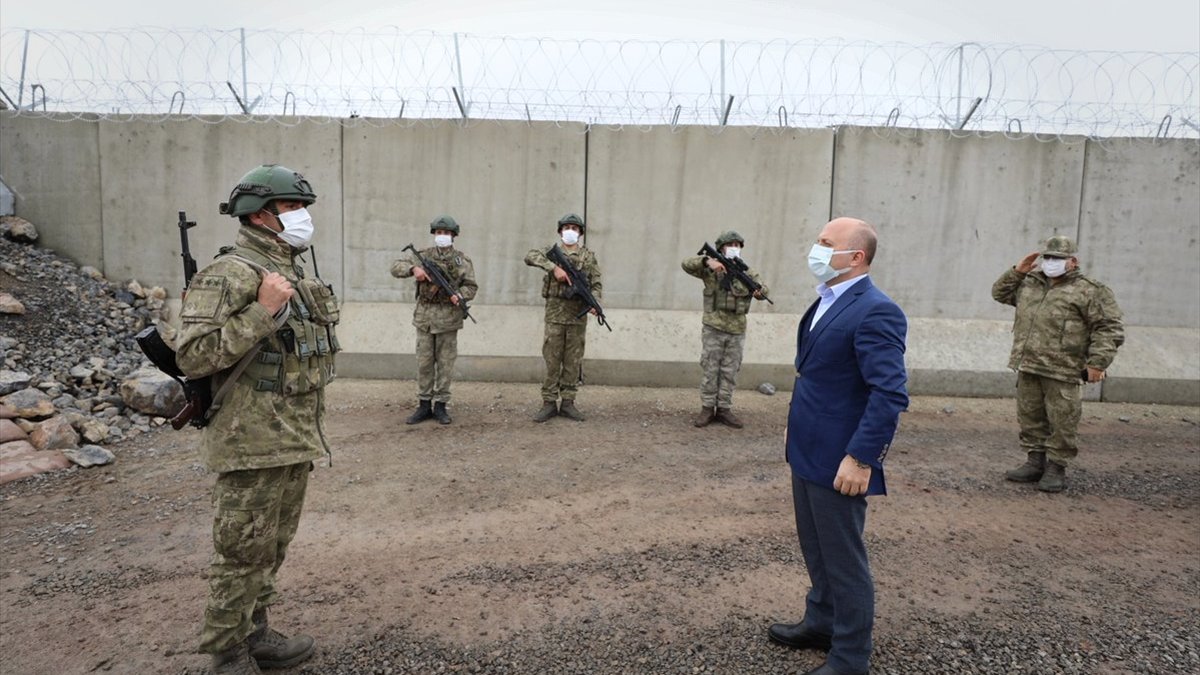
column 830, row 295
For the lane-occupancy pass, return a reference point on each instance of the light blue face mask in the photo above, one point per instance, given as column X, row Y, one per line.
column 818, row 263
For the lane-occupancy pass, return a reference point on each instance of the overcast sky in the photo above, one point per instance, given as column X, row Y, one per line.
column 1119, row 25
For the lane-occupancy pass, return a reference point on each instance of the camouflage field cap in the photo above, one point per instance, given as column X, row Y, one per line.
column 263, row 185
column 1058, row 246
column 571, row 219
column 444, row 223
column 728, row 237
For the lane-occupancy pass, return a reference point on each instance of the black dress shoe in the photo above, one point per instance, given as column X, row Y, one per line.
column 796, row 636
column 826, row 669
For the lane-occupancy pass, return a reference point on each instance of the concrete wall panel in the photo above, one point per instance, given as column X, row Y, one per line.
column 655, row 195
column 154, row 169
column 954, row 212
column 53, row 166
column 1140, row 227
column 506, row 183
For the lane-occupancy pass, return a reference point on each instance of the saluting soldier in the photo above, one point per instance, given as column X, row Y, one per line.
column 437, row 317
column 724, row 334
column 566, row 330
column 255, row 318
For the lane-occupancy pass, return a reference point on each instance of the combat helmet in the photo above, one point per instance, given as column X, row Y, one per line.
column 444, row 223
column 728, row 237
column 265, row 184
column 1058, row 246
column 572, row 219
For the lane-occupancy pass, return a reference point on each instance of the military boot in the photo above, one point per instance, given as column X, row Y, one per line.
column 272, row 650
column 1030, row 471
column 549, row 409
column 705, row 418
column 1053, row 480
column 234, row 660
column 568, row 409
column 424, row 411
column 439, row 411
column 725, row 416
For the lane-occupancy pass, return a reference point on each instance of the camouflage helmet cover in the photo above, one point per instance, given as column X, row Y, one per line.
column 728, row 237
column 571, row 219
column 265, row 184
column 444, row 223
column 1058, row 246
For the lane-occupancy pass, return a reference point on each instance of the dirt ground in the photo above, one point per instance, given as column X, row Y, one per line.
column 631, row 542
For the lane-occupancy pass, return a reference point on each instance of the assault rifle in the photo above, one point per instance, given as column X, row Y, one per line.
column 578, row 285
column 439, row 278
column 198, row 392
column 735, row 268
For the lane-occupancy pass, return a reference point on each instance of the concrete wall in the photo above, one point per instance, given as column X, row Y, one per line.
column 953, row 212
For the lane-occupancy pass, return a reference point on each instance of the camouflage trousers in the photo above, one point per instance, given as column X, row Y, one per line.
column 562, row 350
column 720, row 361
column 436, row 353
column 257, row 512
column 1048, row 412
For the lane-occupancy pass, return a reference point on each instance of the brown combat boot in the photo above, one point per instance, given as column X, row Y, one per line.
column 234, row 660
column 568, row 409
column 725, row 416
column 424, row 411
column 705, row 418
column 1030, row 471
column 272, row 650
column 1053, row 480
column 549, row 409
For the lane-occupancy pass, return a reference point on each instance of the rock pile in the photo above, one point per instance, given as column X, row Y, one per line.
column 72, row 377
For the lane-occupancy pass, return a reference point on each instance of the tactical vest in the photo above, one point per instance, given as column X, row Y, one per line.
column 720, row 300
column 298, row 358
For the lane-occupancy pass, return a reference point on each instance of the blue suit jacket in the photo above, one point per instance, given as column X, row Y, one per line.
column 850, row 386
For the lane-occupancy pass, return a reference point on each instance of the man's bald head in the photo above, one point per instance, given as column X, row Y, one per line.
column 844, row 234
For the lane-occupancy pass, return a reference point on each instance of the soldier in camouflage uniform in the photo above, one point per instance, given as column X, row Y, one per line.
column 437, row 318
column 1067, row 330
column 565, row 334
column 252, row 320
column 724, row 332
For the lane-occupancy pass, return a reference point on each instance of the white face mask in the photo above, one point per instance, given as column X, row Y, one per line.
column 442, row 240
column 1054, row 267
column 818, row 263
column 733, row 252
column 570, row 237
column 297, row 228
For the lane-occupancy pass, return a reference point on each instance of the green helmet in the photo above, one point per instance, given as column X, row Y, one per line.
column 444, row 223
column 1058, row 246
column 571, row 219
column 728, row 237
column 264, row 185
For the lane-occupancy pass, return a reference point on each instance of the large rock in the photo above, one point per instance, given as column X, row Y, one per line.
column 19, row 459
column 9, row 431
column 55, row 433
column 18, row 229
column 11, row 380
column 29, row 403
column 10, row 305
column 152, row 392
column 93, row 431
column 89, row 455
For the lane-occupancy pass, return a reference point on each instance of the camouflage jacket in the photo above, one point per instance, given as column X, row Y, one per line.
column 724, row 310
column 272, row 414
column 1059, row 329
column 559, row 308
column 434, row 312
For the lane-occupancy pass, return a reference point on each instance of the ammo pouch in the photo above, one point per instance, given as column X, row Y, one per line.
column 320, row 301
column 721, row 300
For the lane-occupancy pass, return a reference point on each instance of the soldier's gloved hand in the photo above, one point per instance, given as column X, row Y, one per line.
column 561, row 275
column 1095, row 374
column 1026, row 264
column 274, row 292
column 420, row 273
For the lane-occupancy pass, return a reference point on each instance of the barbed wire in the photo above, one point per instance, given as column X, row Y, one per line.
column 389, row 76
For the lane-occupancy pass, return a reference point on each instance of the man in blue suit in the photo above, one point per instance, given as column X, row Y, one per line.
column 849, row 393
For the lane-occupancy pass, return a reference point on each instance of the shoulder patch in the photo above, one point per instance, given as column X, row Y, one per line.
column 204, row 299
